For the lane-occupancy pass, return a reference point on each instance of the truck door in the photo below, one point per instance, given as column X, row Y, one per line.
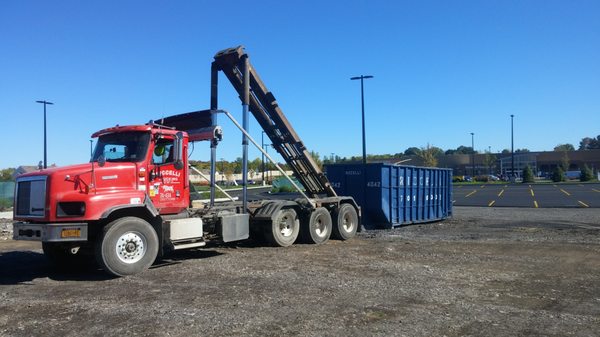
column 166, row 185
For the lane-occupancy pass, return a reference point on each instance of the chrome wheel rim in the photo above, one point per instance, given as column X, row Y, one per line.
column 286, row 227
column 348, row 222
column 320, row 227
column 131, row 247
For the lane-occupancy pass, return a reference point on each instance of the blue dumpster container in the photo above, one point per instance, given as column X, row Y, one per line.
column 393, row 195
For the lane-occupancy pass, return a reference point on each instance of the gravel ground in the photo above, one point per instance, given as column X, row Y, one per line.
column 486, row 272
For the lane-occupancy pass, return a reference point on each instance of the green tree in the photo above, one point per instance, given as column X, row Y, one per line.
column 588, row 143
column 7, row 174
column 412, row 151
column 315, row 156
column 522, row 150
column 558, row 175
column 490, row 161
column 564, row 162
column 564, row 147
column 527, row 175
column 255, row 164
column 435, row 150
column 461, row 150
column 429, row 155
column 505, row 151
column 586, row 173
column 237, row 166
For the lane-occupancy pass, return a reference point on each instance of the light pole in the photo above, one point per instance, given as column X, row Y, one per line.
column 512, row 146
column 45, row 148
column 473, row 153
column 489, row 160
column 266, row 148
column 91, row 151
column 362, row 101
column 262, row 146
column 223, row 171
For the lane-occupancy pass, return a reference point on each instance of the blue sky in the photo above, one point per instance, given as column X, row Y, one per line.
column 442, row 69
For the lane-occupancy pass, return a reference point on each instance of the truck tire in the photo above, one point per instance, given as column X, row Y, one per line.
column 316, row 227
column 68, row 256
column 284, row 229
column 127, row 246
column 345, row 222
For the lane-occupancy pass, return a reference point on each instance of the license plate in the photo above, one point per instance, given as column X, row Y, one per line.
column 70, row 233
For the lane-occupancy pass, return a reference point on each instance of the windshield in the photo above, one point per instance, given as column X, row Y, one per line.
column 122, row 147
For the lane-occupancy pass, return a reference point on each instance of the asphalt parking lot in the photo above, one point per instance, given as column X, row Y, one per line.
column 525, row 195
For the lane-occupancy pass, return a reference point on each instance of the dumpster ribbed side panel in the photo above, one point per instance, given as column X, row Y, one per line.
column 392, row 195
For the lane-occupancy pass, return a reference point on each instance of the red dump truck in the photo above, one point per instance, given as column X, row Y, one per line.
column 132, row 202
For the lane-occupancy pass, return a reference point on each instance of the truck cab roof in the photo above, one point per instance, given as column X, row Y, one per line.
column 153, row 128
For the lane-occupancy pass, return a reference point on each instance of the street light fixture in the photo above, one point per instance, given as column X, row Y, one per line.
column 473, row 153
column 362, row 101
column 45, row 143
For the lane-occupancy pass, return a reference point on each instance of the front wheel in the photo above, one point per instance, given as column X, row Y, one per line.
column 127, row 246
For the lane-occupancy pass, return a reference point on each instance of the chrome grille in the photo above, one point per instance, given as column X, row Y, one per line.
column 31, row 196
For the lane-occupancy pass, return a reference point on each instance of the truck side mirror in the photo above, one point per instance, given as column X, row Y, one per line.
column 178, row 156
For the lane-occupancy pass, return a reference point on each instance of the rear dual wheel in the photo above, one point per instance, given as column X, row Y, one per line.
column 284, row 228
column 345, row 222
column 316, row 227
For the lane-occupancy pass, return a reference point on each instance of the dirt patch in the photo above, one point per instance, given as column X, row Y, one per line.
column 486, row 272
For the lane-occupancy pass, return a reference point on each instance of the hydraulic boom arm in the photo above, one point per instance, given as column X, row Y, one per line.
column 265, row 109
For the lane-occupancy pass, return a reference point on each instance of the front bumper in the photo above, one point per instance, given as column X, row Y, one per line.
column 50, row 232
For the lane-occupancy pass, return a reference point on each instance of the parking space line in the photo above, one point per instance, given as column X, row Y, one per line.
column 535, row 204
column 482, row 186
column 470, row 194
column 491, row 203
column 583, row 203
column 565, row 192
column 595, row 190
column 531, row 190
column 499, row 194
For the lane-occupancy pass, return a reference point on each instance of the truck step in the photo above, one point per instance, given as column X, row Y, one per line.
column 189, row 245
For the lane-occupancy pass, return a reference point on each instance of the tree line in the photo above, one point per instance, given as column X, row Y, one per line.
column 427, row 154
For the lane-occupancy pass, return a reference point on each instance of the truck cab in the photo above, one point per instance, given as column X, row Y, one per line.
column 136, row 184
column 159, row 168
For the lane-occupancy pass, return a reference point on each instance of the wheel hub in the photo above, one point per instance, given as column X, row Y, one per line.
column 348, row 223
column 320, row 228
column 131, row 247
column 285, row 227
